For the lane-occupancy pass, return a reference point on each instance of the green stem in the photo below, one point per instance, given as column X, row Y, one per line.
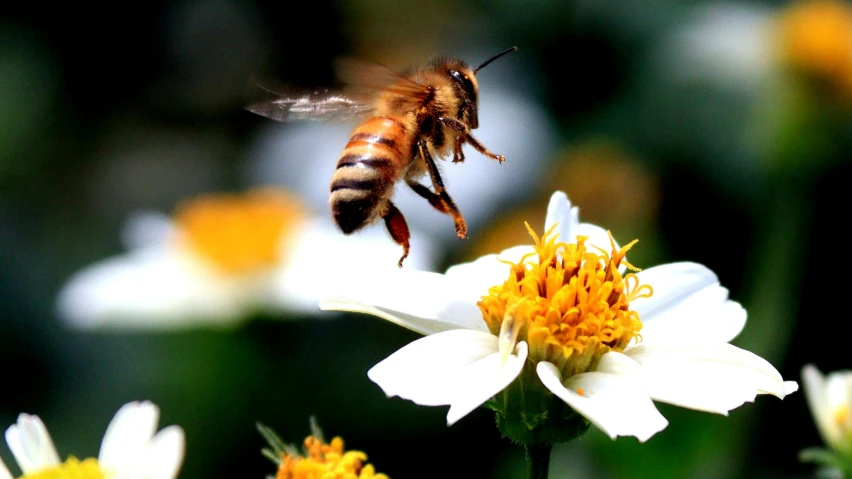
column 538, row 460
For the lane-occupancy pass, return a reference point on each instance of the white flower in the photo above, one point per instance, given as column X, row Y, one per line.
column 595, row 337
column 830, row 401
column 130, row 448
column 224, row 257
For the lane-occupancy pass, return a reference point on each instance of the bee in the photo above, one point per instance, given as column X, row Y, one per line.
column 408, row 120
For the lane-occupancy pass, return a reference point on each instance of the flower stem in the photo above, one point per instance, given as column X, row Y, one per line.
column 538, row 460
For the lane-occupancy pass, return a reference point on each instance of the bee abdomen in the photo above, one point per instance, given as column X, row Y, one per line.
column 366, row 171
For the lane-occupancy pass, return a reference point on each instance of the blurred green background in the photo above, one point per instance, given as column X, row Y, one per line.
column 715, row 132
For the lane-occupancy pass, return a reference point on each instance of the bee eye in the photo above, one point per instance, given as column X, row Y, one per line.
column 464, row 82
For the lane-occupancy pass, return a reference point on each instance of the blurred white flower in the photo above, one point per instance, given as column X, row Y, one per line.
column 130, row 448
column 302, row 157
column 830, row 401
column 604, row 342
column 222, row 258
column 739, row 44
column 727, row 43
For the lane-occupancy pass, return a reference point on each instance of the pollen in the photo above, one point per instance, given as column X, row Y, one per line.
column 70, row 469
column 571, row 306
column 326, row 461
column 239, row 234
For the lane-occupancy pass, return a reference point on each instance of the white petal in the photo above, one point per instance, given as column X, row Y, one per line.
column 31, row 444
column 481, row 380
column 816, row 394
column 127, row 437
column 688, row 303
column 790, row 387
column 164, row 456
column 162, row 287
column 612, row 403
column 620, row 364
column 566, row 217
column 421, row 301
column 4, row 471
column 428, row 371
column 706, row 377
column 321, row 262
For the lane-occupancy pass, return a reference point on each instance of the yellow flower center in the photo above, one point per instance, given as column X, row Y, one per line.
column 326, row 461
column 239, row 234
column 816, row 36
column 71, row 469
column 571, row 306
column 841, row 416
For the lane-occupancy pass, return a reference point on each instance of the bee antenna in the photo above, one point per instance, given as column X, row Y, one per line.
column 480, row 67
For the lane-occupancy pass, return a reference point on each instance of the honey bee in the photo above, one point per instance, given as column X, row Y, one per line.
column 409, row 119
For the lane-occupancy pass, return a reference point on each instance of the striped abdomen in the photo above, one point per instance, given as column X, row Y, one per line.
column 373, row 160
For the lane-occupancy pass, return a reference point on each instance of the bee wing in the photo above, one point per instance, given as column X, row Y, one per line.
column 320, row 105
column 363, row 83
column 367, row 80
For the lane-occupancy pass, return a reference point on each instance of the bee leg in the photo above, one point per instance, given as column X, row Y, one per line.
column 466, row 136
column 439, row 199
column 458, row 154
column 398, row 229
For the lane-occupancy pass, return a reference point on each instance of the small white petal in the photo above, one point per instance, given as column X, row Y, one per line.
column 707, row 377
column 164, row 455
column 561, row 213
column 421, row 301
column 31, row 444
column 483, row 379
column 4, row 471
column 158, row 287
column 612, row 403
column 428, row 371
column 127, row 437
column 687, row 303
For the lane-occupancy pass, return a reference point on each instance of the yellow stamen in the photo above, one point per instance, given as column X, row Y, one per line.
column 239, row 234
column 326, row 461
column 571, row 306
column 70, row 469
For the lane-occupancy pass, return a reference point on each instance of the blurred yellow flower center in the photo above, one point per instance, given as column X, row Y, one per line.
column 326, row 461
column 71, row 469
column 571, row 305
column 816, row 36
column 841, row 415
column 239, row 234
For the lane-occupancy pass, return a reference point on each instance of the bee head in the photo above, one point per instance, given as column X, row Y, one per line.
column 466, row 89
column 464, row 83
